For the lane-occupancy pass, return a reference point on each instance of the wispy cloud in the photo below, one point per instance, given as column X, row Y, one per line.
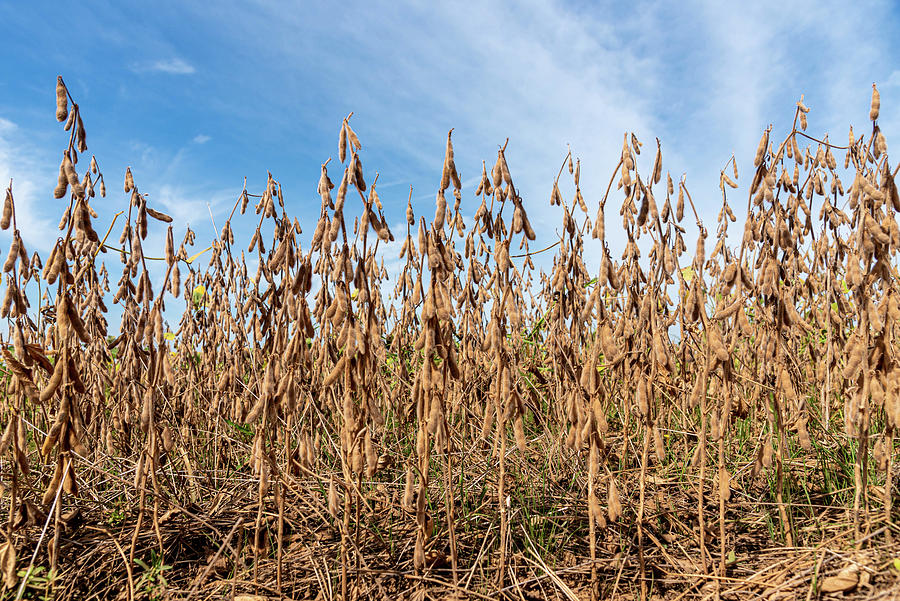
column 172, row 66
column 188, row 206
column 201, row 139
column 30, row 176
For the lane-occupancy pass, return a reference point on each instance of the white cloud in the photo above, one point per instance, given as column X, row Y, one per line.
column 32, row 181
column 172, row 66
column 188, row 206
column 893, row 80
column 201, row 139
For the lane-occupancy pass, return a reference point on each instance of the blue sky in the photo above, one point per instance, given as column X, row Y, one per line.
column 194, row 97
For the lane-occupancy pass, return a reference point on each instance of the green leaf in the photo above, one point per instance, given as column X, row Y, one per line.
column 897, row 563
column 199, row 294
column 242, row 428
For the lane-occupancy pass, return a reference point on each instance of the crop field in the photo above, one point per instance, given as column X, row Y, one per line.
column 703, row 416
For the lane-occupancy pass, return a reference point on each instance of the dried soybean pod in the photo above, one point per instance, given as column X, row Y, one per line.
column 333, row 502
column 342, row 142
column 77, row 323
column 80, row 134
column 729, row 181
column 659, row 445
column 50, row 493
column 62, row 181
column 526, row 224
column 64, row 220
column 13, row 254
column 45, row 273
column 497, row 171
column 7, row 210
column 519, row 431
column 54, row 381
column 72, row 176
column 761, row 149
column 614, row 505
column 55, row 267
column 336, row 371
column 876, row 104
column 175, row 281
column 358, row 180
column 62, row 100
column 599, row 231
column 129, row 180
column 158, row 215
column 70, row 122
column 7, row 438
column 408, row 491
column 69, row 485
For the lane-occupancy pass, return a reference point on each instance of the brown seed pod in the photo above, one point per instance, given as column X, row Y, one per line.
column 642, row 400
column 158, row 216
column 440, row 212
column 599, row 231
column 497, row 171
column 519, row 431
column 723, row 482
column 256, row 410
column 63, row 180
column 761, row 149
column 613, row 504
column 175, row 281
column 7, row 210
column 7, row 438
column 72, row 177
column 357, row 172
column 70, row 122
column 342, row 142
column 679, row 207
column 354, row 141
column 13, row 254
column 728, row 180
column 336, row 371
column 53, row 487
column 408, row 491
column 556, row 196
column 69, row 484
column 80, row 134
column 876, row 104
column 595, row 512
column 334, row 507
column 659, row 446
column 77, row 323
column 62, row 100
column 53, row 383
